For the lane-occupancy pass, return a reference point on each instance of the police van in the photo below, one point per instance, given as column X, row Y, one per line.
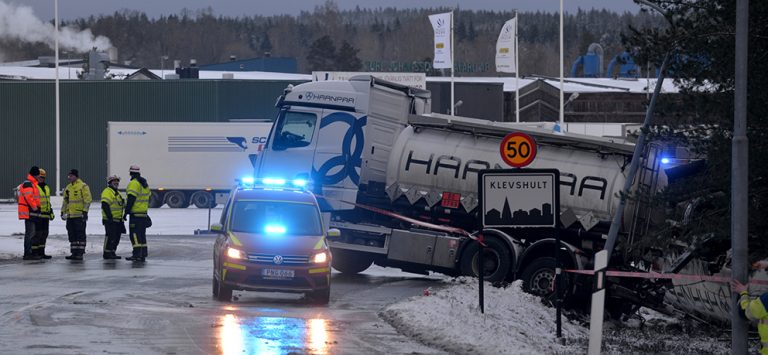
column 272, row 238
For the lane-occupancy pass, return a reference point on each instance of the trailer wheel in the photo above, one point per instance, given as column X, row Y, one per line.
column 203, row 199
column 176, row 199
column 350, row 262
column 496, row 260
column 155, row 199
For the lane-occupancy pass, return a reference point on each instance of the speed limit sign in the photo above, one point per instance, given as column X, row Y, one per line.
column 518, row 149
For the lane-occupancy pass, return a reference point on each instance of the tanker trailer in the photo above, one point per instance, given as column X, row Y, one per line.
column 366, row 142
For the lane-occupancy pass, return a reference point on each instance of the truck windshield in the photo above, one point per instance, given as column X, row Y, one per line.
column 276, row 217
column 294, row 129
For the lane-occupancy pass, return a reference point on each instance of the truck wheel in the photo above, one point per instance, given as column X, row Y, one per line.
column 155, row 199
column 350, row 262
column 203, row 199
column 496, row 260
column 539, row 276
column 176, row 199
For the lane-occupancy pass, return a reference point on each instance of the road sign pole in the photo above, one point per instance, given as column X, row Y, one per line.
column 481, row 273
column 558, row 275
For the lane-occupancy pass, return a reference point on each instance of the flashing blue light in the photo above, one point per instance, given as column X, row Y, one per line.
column 299, row 182
column 665, row 160
column 273, row 181
column 274, row 229
column 248, row 180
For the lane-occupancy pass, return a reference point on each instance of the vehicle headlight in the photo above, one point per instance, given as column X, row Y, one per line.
column 320, row 258
column 235, row 253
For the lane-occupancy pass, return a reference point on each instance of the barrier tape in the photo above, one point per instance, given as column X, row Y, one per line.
column 447, row 229
column 656, row 275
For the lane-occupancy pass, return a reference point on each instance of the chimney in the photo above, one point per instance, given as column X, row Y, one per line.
column 193, row 62
column 232, row 58
column 267, row 54
column 176, row 64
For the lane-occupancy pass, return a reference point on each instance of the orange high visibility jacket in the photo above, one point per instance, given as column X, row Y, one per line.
column 29, row 198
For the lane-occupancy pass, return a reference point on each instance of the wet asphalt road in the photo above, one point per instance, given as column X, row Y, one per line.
column 165, row 307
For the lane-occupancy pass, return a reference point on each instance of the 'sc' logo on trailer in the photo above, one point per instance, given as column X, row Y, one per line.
column 350, row 159
column 518, row 149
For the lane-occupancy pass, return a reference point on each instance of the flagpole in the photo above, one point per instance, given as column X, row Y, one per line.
column 562, row 94
column 58, row 104
column 517, row 72
column 453, row 65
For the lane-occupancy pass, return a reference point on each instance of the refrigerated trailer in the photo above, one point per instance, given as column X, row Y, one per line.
column 185, row 162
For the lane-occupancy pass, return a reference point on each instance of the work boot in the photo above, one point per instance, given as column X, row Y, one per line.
column 112, row 256
column 31, row 257
column 41, row 252
column 74, row 257
column 135, row 258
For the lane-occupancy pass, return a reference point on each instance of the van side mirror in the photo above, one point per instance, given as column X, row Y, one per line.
column 217, row 228
column 334, row 233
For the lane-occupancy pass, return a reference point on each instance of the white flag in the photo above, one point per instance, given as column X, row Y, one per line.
column 505, row 47
column 441, row 24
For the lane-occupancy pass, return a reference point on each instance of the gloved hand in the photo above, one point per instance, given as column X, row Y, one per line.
column 51, row 216
column 125, row 217
column 63, row 216
column 85, row 216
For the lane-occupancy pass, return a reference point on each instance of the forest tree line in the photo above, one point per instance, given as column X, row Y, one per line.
column 361, row 39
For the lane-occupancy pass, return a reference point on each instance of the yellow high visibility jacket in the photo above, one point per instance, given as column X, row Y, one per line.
column 77, row 199
column 141, row 206
column 755, row 310
column 116, row 203
column 46, row 210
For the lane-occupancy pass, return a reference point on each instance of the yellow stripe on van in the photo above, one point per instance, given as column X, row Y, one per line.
column 316, row 271
column 320, row 243
column 235, row 266
column 235, row 240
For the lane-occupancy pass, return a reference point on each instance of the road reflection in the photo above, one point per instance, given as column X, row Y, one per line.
column 273, row 335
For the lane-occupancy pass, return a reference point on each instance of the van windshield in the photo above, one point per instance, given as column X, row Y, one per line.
column 294, row 129
column 276, row 218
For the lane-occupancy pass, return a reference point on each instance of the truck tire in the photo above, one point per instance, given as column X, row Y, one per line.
column 176, row 199
column 496, row 260
column 203, row 199
column 538, row 278
column 155, row 199
column 350, row 262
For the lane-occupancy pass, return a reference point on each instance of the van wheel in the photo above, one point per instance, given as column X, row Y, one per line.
column 496, row 260
column 350, row 262
column 215, row 287
column 223, row 293
column 321, row 297
column 155, row 199
column 176, row 199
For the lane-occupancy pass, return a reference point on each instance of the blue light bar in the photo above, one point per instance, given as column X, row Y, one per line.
column 665, row 160
column 299, row 182
column 273, row 181
column 248, row 180
column 274, row 229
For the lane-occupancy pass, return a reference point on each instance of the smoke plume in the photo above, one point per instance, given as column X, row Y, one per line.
column 20, row 23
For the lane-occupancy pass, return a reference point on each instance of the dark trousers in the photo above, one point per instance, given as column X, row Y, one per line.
column 138, row 230
column 76, row 233
column 30, row 237
column 41, row 235
column 113, row 230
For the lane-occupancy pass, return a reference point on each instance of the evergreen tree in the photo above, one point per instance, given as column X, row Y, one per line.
column 322, row 54
column 347, row 59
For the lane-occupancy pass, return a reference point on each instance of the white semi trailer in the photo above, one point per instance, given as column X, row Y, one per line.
column 375, row 143
column 185, row 162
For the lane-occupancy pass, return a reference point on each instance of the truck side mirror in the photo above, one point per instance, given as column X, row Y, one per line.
column 217, row 228
column 334, row 233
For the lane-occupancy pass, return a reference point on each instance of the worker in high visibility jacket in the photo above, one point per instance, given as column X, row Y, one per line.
column 112, row 204
column 137, row 207
column 755, row 308
column 46, row 215
column 29, row 210
column 74, row 209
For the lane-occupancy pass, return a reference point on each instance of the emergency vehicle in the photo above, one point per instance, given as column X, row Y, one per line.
column 272, row 238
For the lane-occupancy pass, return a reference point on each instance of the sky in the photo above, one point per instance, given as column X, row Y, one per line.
column 70, row 9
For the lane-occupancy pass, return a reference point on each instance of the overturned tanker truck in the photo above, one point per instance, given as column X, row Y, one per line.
column 367, row 142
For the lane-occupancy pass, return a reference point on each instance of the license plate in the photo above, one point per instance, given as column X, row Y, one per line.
column 277, row 273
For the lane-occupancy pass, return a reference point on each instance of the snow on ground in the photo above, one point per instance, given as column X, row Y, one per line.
column 449, row 318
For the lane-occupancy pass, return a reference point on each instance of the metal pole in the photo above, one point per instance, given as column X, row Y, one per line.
column 562, row 94
column 558, row 294
column 58, row 103
column 739, row 177
column 617, row 217
column 517, row 71
column 453, row 66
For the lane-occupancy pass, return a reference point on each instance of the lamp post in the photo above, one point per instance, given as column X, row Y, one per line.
column 58, row 103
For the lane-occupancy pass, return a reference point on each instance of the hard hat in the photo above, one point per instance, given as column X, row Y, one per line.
column 113, row 178
column 134, row 169
column 42, row 172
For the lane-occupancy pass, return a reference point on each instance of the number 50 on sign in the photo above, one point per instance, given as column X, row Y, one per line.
column 518, row 149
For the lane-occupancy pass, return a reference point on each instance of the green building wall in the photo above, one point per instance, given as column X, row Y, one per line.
column 28, row 118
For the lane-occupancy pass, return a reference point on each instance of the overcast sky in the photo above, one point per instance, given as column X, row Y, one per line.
column 69, row 9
